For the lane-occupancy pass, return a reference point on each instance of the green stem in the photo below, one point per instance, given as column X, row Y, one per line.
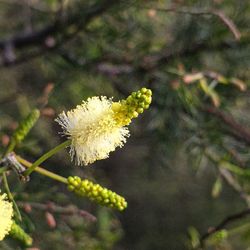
column 3, row 169
column 10, row 148
column 42, row 171
column 46, row 156
column 10, row 196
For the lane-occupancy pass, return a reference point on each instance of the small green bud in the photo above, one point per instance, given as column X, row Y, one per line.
column 70, row 179
column 135, row 114
column 133, row 94
column 148, row 99
column 149, row 92
column 71, row 187
column 138, row 95
column 129, row 99
column 141, row 105
column 140, row 110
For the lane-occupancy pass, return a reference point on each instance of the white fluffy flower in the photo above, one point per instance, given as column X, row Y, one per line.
column 6, row 213
column 93, row 130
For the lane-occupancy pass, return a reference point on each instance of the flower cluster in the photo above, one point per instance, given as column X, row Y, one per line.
column 92, row 130
column 6, row 214
column 97, row 126
column 96, row 193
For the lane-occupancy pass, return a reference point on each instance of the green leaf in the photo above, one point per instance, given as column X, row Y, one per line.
column 235, row 169
column 194, row 237
column 217, row 187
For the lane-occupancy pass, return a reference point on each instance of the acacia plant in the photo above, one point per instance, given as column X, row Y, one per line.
column 92, row 130
column 184, row 172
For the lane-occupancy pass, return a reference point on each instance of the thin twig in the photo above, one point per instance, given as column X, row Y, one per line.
column 53, row 208
column 41, row 39
column 228, row 177
column 237, row 130
column 234, row 155
column 218, row 13
column 228, row 220
column 231, row 181
column 10, row 197
column 34, row 5
column 59, row 26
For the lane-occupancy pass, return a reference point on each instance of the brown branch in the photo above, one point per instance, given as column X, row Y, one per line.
column 53, row 208
column 38, row 37
column 149, row 62
column 34, row 5
column 224, row 223
column 167, row 55
column 228, row 22
column 33, row 38
column 236, row 129
column 221, row 15
column 58, row 28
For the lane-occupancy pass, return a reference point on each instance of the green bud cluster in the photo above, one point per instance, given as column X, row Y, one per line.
column 96, row 193
column 18, row 233
column 131, row 107
column 26, row 125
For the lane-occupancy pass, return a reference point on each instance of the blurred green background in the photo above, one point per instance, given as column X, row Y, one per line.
column 194, row 55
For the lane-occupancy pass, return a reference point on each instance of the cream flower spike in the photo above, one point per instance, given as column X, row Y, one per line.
column 6, row 214
column 98, row 125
